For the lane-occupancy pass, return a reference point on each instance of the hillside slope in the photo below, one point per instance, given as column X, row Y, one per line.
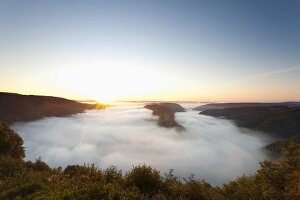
column 22, row 108
column 240, row 105
column 281, row 122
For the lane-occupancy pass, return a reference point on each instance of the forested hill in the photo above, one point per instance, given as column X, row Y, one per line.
column 282, row 122
column 21, row 108
column 244, row 105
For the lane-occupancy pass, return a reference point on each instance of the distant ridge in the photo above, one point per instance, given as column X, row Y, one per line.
column 250, row 104
column 22, row 108
column 279, row 121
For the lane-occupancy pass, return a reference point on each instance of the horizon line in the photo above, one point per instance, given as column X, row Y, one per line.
column 149, row 101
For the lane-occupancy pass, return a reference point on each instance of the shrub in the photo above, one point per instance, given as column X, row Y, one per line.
column 22, row 192
column 145, row 178
column 38, row 165
column 82, row 173
column 112, row 174
column 10, row 166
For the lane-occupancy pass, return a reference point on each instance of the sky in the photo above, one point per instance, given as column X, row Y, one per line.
column 166, row 50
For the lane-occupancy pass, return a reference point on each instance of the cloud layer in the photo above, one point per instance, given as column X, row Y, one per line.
column 210, row 148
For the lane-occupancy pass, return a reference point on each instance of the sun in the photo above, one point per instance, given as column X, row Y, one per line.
column 106, row 98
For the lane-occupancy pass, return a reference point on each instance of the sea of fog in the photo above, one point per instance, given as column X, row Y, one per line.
column 212, row 149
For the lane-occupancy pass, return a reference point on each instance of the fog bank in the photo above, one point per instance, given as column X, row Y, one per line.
column 212, row 149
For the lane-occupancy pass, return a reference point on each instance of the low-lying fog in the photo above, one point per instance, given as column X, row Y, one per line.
column 211, row 149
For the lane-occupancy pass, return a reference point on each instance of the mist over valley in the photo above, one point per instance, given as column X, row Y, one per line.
column 126, row 135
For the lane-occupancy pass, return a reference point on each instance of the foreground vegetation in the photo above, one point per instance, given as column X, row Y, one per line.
column 21, row 179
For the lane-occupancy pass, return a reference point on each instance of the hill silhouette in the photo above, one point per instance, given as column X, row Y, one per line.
column 166, row 113
column 280, row 122
column 23, row 108
column 240, row 105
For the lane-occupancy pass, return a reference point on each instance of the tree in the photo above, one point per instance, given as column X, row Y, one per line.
column 10, row 143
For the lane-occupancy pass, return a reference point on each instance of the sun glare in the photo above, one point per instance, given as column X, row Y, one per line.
column 110, row 80
column 106, row 99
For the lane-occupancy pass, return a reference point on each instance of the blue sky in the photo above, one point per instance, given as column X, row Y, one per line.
column 158, row 50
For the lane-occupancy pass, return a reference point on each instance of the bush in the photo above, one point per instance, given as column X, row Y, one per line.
column 22, row 192
column 112, row 174
column 279, row 180
column 196, row 190
column 38, row 165
column 145, row 178
column 83, row 173
column 10, row 166
column 105, row 192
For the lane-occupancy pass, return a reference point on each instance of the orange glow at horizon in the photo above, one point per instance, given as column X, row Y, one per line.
column 134, row 83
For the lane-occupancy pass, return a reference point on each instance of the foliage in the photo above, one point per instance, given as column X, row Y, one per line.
column 279, row 145
column 112, row 175
column 278, row 180
column 145, row 178
column 10, row 166
column 39, row 165
column 10, row 142
column 273, row 181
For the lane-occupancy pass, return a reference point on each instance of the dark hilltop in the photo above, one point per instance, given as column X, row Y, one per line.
column 23, row 108
column 166, row 113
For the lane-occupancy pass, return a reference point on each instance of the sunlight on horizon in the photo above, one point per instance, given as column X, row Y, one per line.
column 150, row 51
column 121, row 81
